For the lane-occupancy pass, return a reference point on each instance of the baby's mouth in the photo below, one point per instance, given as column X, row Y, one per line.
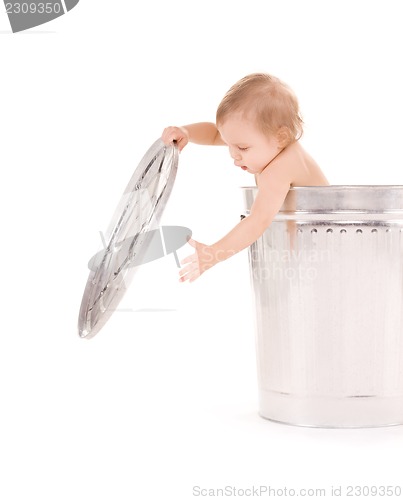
column 244, row 168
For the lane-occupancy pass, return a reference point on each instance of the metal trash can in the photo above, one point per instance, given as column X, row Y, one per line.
column 327, row 277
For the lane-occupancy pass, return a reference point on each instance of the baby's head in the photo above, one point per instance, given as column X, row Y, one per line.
column 266, row 101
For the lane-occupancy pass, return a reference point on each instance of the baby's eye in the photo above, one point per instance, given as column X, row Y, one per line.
column 242, row 149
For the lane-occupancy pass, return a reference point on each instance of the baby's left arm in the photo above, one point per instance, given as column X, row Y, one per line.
column 274, row 185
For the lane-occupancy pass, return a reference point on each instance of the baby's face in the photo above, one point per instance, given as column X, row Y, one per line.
column 249, row 147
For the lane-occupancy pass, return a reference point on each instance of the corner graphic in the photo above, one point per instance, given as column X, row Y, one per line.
column 157, row 243
column 25, row 15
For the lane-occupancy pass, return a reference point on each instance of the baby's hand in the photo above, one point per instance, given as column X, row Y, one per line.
column 197, row 263
column 178, row 134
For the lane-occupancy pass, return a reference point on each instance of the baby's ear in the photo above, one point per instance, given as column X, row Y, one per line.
column 284, row 137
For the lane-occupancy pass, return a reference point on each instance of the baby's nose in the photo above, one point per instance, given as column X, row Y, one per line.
column 235, row 155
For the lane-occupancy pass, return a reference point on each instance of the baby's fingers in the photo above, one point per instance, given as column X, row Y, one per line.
column 188, row 271
column 169, row 135
column 191, row 258
column 177, row 134
column 192, row 276
column 188, row 268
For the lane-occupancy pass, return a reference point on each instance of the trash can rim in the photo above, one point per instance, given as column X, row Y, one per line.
column 332, row 199
column 339, row 187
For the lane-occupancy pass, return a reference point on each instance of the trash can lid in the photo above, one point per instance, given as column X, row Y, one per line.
column 139, row 209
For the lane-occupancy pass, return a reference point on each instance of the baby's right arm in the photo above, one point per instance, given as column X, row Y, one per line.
column 204, row 133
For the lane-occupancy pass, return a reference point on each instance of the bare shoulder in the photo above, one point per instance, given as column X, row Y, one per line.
column 275, row 178
column 282, row 169
column 296, row 166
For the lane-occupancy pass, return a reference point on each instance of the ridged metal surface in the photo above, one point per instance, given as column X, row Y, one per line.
column 327, row 277
column 127, row 237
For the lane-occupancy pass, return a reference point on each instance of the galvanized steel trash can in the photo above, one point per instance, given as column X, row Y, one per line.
column 327, row 277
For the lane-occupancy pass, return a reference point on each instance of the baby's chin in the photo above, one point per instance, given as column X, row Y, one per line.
column 251, row 170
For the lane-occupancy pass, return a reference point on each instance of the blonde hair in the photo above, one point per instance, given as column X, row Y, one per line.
column 268, row 100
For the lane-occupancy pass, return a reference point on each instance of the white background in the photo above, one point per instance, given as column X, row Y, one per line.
column 164, row 398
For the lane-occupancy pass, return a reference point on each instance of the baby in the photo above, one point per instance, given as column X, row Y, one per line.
column 258, row 119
